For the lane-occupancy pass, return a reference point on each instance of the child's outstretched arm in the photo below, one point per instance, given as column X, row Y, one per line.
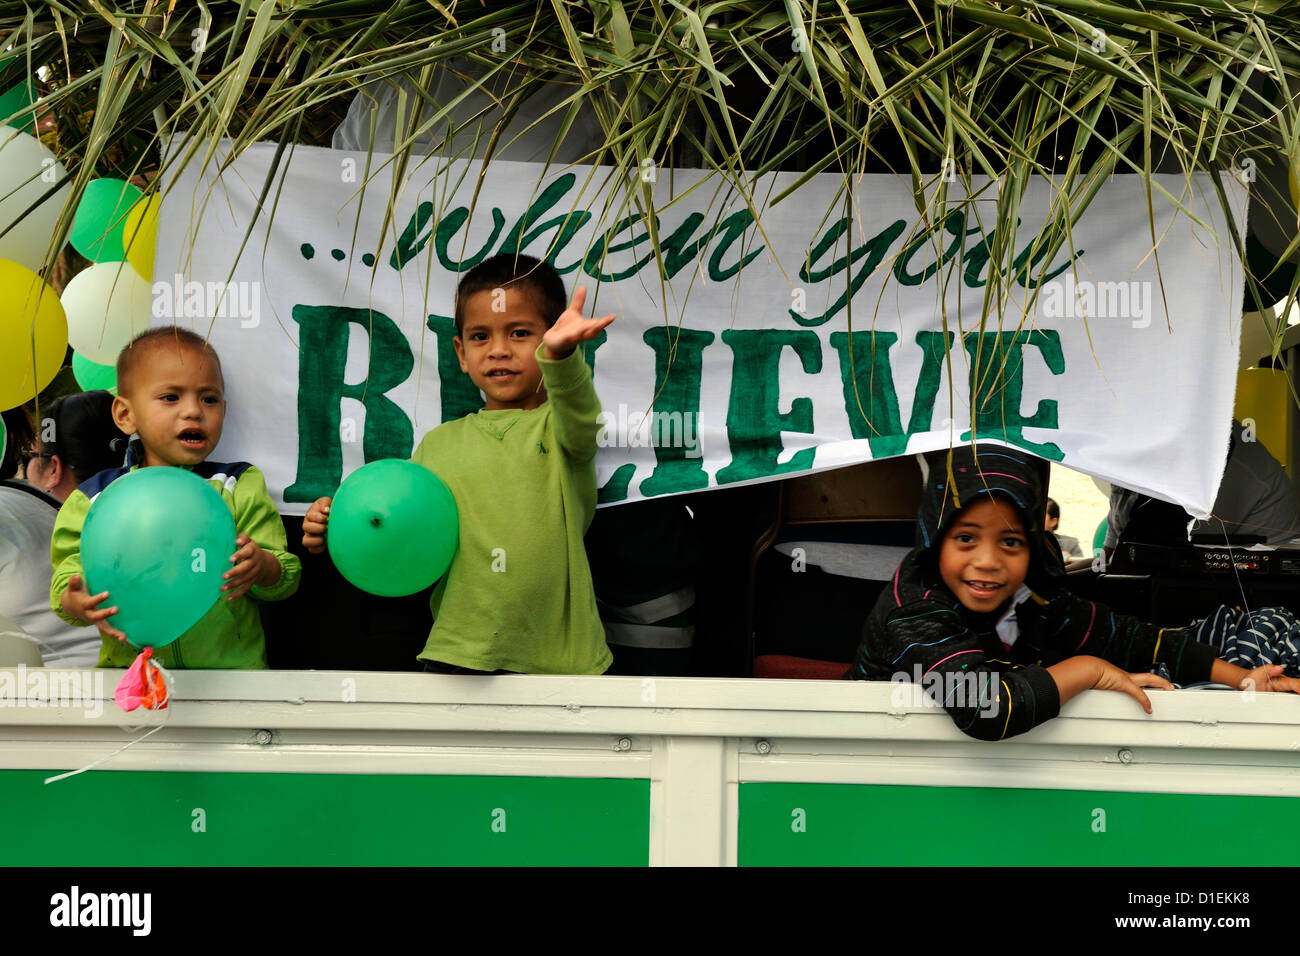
column 315, row 524
column 1076, row 674
column 569, row 389
column 1085, row 628
column 572, row 328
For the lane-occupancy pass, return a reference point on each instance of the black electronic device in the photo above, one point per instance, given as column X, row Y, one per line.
column 1197, row 560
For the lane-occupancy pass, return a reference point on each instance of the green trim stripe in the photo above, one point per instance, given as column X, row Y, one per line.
column 149, row 818
column 805, row 824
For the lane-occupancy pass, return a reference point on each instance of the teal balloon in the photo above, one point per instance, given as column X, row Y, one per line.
column 92, row 376
column 101, row 217
column 393, row 528
column 158, row 540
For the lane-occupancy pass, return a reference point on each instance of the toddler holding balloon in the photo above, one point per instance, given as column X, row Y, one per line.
column 518, row 595
column 171, row 394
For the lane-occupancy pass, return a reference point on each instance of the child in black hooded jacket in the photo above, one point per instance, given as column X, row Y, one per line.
column 978, row 613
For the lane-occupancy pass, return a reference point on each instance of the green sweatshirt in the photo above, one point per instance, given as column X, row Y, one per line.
column 230, row 635
column 518, row 595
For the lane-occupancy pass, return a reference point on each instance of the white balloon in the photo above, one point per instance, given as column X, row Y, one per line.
column 27, row 171
column 107, row 305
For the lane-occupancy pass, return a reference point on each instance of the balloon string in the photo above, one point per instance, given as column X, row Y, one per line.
column 170, row 684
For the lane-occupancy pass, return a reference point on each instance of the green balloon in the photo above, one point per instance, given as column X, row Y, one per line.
column 393, row 528
column 157, row 540
column 101, row 217
column 91, row 375
column 14, row 100
column 18, row 98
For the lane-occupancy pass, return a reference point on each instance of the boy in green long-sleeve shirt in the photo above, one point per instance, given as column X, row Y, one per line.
column 171, row 394
column 518, row 596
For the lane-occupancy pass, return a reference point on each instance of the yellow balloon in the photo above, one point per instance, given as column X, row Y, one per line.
column 140, row 235
column 33, row 334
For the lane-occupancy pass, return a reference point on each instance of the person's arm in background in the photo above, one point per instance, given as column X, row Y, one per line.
column 1265, row 679
column 1121, row 507
column 1136, row 647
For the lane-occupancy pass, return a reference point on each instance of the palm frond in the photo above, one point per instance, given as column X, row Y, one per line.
column 1071, row 90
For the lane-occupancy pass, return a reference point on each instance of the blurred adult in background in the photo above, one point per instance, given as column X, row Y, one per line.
column 75, row 440
column 1255, row 498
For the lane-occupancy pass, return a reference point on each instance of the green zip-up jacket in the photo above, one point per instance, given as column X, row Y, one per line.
column 518, row 595
column 229, row 636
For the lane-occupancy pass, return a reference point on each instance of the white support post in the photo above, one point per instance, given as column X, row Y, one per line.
column 692, row 802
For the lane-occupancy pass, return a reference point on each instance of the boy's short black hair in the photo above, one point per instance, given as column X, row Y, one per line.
column 539, row 279
column 1053, row 509
column 129, row 358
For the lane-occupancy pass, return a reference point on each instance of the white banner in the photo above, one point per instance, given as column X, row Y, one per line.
column 746, row 357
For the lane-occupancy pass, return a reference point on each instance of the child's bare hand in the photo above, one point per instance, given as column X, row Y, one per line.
column 1269, row 678
column 315, row 524
column 571, row 328
column 252, row 567
column 1113, row 678
column 84, row 606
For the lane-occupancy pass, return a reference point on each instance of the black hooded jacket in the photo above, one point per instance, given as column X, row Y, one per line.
column 919, row 632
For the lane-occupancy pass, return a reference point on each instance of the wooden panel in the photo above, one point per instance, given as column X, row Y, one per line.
column 890, row 488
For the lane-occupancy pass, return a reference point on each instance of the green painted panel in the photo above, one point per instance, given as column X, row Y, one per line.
column 124, row 818
column 802, row 824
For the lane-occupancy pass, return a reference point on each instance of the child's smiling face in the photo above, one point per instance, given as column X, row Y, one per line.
column 984, row 556
column 497, row 347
